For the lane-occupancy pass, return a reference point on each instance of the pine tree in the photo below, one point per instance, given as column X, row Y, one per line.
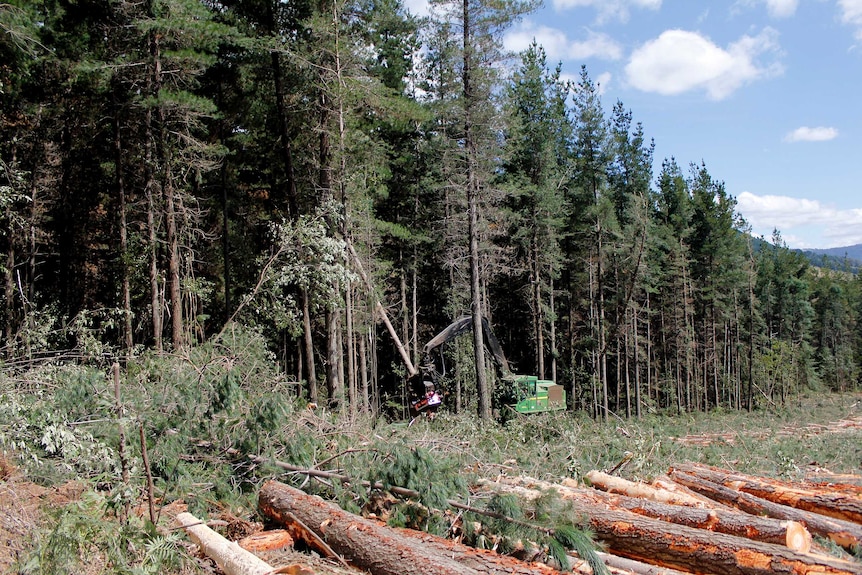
column 480, row 24
column 534, row 169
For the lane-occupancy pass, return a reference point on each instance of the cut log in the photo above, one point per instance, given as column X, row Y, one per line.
column 844, row 533
column 782, row 532
column 843, row 481
column 699, row 551
column 230, row 557
column 668, row 484
column 482, row 560
column 830, row 502
column 272, row 540
column 614, row 484
column 615, row 562
column 374, row 547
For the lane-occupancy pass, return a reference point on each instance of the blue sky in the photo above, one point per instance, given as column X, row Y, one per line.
column 767, row 93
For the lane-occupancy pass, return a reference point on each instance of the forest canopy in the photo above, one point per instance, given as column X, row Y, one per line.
column 169, row 168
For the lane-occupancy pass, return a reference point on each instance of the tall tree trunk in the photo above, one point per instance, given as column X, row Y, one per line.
column 309, row 348
column 334, row 385
column 126, row 293
column 637, row 364
column 539, row 315
column 363, row 372
column 351, row 350
column 9, row 294
column 405, row 310
column 484, row 392
column 151, row 188
column 177, row 328
column 553, row 332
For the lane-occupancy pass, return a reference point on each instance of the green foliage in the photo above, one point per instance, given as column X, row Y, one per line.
column 581, row 542
column 82, row 534
column 436, row 479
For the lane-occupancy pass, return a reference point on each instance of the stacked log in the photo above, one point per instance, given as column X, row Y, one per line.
column 824, row 501
column 697, row 520
column 627, row 534
column 788, row 533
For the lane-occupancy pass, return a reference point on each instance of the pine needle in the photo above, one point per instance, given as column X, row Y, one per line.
column 582, row 544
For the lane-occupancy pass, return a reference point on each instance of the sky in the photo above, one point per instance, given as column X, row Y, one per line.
column 766, row 93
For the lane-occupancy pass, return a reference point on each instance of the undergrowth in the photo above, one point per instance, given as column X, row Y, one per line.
column 203, row 413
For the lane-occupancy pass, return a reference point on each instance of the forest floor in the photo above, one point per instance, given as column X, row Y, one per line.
column 817, row 436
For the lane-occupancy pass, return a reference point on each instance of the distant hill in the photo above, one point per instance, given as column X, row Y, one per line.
column 852, row 252
column 849, row 258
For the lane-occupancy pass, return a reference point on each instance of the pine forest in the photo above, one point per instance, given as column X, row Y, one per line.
column 230, row 228
column 173, row 167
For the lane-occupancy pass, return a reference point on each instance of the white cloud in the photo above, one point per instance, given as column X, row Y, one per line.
column 558, row 46
column 781, row 8
column 603, row 81
column 418, row 7
column 798, row 218
column 681, row 61
column 775, row 8
column 609, row 9
column 806, row 134
column 851, row 14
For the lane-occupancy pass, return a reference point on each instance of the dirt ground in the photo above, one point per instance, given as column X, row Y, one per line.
column 21, row 510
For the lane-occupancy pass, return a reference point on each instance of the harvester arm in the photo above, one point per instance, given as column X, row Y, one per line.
column 461, row 326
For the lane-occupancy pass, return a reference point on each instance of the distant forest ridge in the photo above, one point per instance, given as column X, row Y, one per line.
column 837, row 258
column 847, row 258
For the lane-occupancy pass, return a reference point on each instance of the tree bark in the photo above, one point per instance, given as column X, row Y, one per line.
column 615, row 484
column 845, row 506
column 367, row 544
column 843, row 533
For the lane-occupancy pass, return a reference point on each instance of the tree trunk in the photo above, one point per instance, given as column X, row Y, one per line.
column 177, row 335
column 151, row 187
column 367, row 544
column 309, row 348
column 700, row 551
column 334, row 384
column 553, row 334
column 847, row 507
column 615, row 484
column 351, row 349
column 843, row 533
column 788, row 533
column 363, row 372
column 484, row 392
column 230, row 557
column 126, row 292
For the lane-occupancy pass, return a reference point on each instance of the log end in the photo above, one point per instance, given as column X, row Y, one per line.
column 798, row 538
column 273, row 540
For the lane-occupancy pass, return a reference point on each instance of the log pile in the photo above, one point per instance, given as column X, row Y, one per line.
column 696, row 520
